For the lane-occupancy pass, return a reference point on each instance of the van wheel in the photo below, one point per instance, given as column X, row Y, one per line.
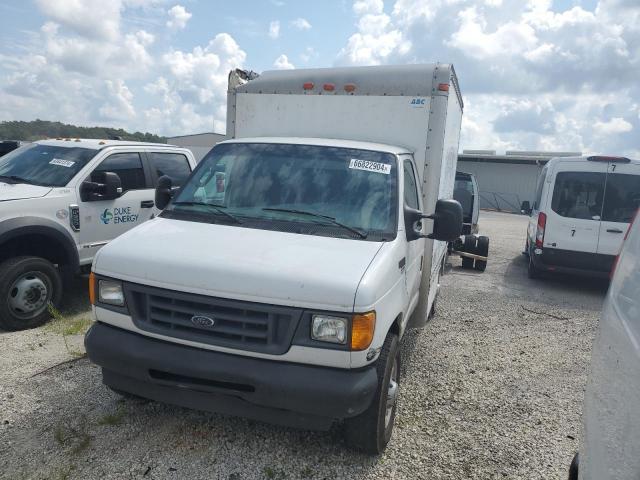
column 469, row 247
column 371, row 431
column 482, row 249
column 27, row 286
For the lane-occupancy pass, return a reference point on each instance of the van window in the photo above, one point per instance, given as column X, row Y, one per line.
column 174, row 165
column 128, row 166
column 621, row 198
column 578, row 195
column 410, row 188
column 538, row 200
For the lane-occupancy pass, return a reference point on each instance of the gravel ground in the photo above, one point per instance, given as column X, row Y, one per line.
column 492, row 388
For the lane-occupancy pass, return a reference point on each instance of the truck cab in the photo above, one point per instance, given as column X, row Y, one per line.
column 278, row 282
column 60, row 202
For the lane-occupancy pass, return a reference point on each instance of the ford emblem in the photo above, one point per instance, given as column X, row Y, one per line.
column 202, row 321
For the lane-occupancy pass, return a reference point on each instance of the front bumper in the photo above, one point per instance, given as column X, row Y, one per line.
column 277, row 392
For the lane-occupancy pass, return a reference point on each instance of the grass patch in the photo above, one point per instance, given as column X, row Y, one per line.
column 113, row 418
column 65, row 326
column 75, row 438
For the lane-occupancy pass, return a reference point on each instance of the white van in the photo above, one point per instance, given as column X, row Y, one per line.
column 611, row 418
column 582, row 208
column 278, row 283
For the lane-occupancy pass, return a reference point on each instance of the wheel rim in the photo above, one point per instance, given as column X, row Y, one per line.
column 29, row 295
column 392, row 394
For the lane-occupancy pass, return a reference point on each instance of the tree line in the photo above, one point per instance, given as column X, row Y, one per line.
column 41, row 129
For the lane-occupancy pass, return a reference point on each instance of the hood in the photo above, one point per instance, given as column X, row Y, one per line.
column 240, row 263
column 19, row 191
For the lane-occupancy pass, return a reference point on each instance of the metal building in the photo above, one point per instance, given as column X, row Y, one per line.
column 505, row 181
column 199, row 143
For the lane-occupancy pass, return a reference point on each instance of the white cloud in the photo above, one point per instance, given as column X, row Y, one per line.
column 178, row 17
column 283, row 63
column 308, row 54
column 301, row 24
column 274, row 29
column 97, row 19
column 532, row 73
column 613, row 126
column 118, row 104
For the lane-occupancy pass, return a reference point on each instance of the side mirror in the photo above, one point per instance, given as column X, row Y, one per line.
column 447, row 221
column 112, row 186
column 526, row 207
column 109, row 187
column 164, row 192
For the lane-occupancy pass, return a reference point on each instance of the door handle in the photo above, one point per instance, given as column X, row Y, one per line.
column 614, row 230
column 147, row 204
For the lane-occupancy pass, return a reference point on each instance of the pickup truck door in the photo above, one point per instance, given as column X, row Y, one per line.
column 621, row 200
column 415, row 249
column 104, row 220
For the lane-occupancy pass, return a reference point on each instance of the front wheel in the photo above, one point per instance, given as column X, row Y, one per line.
column 371, row 431
column 27, row 286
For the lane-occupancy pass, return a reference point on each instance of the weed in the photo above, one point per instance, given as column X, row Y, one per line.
column 74, row 437
column 306, row 472
column 113, row 418
column 66, row 326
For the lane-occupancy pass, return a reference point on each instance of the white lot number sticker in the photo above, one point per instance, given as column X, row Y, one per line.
column 370, row 166
column 62, row 163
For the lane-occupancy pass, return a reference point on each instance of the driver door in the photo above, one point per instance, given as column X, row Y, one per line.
column 415, row 249
column 104, row 220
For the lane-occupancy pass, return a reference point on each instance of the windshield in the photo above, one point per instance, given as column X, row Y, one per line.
column 463, row 193
column 43, row 164
column 313, row 190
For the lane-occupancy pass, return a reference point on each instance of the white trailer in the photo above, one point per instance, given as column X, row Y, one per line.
column 279, row 281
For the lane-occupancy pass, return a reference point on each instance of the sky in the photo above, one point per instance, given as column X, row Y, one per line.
column 535, row 74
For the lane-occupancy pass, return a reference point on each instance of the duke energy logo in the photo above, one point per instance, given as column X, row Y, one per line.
column 106, row 216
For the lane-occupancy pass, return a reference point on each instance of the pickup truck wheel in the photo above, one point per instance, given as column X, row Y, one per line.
column 27, row 286
column 482, row 249
column 371, row 431
column 469, row 247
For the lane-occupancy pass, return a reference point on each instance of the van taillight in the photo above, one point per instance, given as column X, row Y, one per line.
column 542, row 222
column 626, row 235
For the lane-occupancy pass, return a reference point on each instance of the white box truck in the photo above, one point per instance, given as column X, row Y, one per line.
column 278, row 282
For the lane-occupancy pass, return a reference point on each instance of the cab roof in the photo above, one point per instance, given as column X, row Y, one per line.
column 98, row 144
column 324, row 142
column 594, row 158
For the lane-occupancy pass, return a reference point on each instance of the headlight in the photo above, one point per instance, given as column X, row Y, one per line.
column 110, row 292
column 329, row 329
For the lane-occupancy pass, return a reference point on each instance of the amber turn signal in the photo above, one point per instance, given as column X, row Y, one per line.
column 92, row 288
column 362, row 327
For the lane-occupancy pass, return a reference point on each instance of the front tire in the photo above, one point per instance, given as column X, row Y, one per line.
column 27, row 286
column 371, row 431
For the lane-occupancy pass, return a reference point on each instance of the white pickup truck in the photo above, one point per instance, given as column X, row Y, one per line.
column 60, row 201
column 278, row 283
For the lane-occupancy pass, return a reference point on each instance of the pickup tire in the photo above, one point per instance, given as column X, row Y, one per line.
column 371, row 431
column 27, row 286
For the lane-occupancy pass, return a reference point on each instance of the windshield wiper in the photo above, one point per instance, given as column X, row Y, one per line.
column 318, row 215
column 218, row 208
column 18, row 179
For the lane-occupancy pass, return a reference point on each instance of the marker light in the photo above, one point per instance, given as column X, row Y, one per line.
column 329, row 87
column 443, row 87
column 363, row 326
column 350, row 87
column 308, row 86
column 92, row 288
